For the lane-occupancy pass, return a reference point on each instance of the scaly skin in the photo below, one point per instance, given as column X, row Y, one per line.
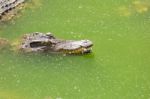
column 8, row 8
column 39, row 42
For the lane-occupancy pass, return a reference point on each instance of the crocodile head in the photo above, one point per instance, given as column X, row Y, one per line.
column 35, row 42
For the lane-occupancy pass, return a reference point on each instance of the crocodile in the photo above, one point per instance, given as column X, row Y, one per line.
column 41, row 42
column 6, row 6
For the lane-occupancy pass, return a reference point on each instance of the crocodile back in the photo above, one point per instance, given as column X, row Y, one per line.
column 6, row 5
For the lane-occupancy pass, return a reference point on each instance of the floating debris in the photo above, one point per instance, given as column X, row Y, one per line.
column 3, row 43
column 140, row 6
column 136, row 7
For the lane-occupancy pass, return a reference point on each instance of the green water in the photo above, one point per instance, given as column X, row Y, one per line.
column 118, row 68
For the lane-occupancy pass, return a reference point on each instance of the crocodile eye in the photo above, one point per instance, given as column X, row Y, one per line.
column 84, row 41
column 50, row 36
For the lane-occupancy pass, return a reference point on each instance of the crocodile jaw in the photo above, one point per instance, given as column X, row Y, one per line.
column 74, row 47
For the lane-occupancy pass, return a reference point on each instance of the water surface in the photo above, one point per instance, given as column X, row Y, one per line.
column 118, row 68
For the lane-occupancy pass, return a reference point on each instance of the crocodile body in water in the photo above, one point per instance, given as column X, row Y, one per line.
column 7, row 6
column 40, row 42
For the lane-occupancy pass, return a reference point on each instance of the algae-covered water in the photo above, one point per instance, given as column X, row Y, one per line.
column 118, row 68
